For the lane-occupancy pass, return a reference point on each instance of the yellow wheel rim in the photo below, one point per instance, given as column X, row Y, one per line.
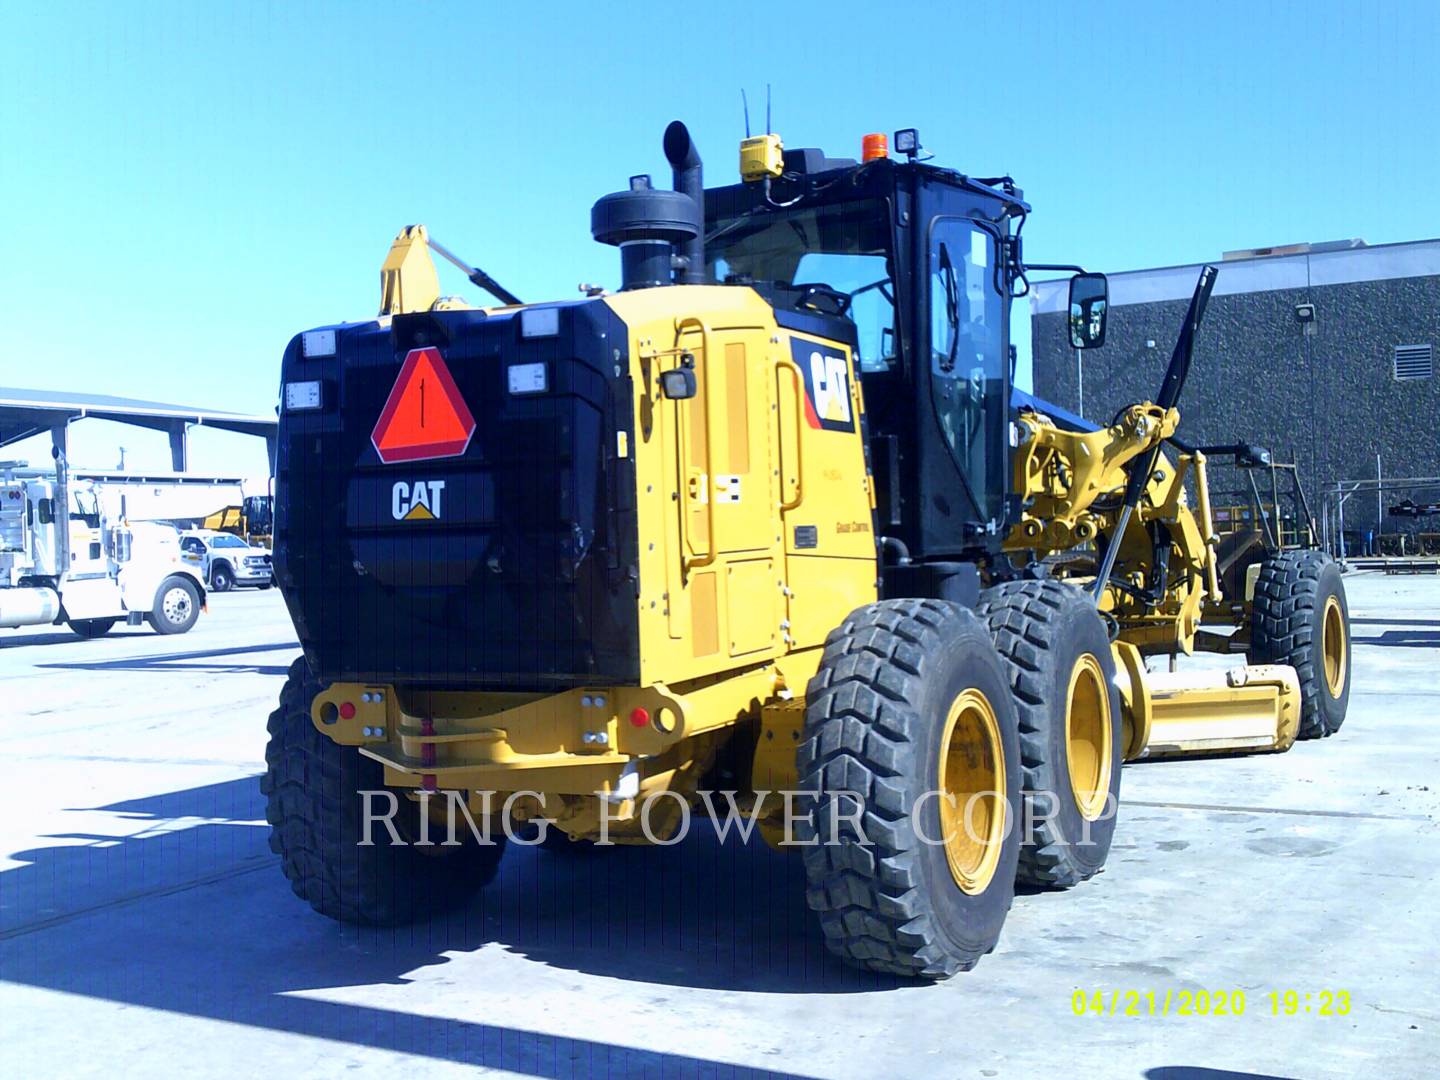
column 972, row 791
column 1332, row 646
column 1089, row 750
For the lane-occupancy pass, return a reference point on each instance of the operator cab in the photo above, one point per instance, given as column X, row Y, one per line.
column 913, row 266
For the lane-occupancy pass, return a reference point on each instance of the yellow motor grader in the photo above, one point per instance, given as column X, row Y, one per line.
column 768, row 523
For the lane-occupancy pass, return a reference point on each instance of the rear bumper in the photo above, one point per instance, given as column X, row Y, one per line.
column 575, row 742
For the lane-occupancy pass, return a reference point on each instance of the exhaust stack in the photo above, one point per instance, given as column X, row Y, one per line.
column 689, row 177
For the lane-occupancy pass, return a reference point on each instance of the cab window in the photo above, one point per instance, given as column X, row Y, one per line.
column 833, row 258
column 86, row 507
column 967, row 354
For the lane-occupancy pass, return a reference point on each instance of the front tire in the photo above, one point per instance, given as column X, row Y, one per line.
column 177, row 606
column 1063, row 674
column 1300, row 617
column 313, row 801
column 910, row 710
column 222, row 578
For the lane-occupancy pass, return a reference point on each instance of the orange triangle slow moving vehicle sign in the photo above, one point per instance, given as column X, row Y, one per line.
column 424, row 417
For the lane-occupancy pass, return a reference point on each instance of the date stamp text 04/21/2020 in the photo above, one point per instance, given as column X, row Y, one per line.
column 1217, row 1003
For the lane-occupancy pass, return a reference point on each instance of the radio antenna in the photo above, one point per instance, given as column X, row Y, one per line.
column 767, row 108
column 745, row 105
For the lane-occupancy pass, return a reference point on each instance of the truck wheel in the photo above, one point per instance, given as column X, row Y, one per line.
column 177, row 606
column 313, row 800
column 912, row 755
column 1063, row 674
column 1300, row 617
column 92, row 628
column 222, row 578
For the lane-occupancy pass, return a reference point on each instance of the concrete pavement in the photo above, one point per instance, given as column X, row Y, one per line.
column 145, row 928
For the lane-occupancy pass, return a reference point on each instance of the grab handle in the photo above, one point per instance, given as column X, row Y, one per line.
column 787, row 365
column 693, row 562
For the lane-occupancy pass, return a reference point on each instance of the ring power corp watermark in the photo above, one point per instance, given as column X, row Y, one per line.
column 793, row 816
column 417, row 501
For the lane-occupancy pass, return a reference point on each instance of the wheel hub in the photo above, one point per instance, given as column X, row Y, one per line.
column 972, row 791
column 1088, row 746
column 176, row 605
column 1332, row 647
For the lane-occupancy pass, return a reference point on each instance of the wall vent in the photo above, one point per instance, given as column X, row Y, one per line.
column 1413, row 362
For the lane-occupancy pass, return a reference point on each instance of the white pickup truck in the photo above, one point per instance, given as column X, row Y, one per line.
column 81, row 568
column 227, row 560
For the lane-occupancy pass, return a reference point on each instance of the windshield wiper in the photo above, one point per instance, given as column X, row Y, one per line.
column 952, row 309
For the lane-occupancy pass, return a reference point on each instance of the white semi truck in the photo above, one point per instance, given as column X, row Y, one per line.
column 63, row 559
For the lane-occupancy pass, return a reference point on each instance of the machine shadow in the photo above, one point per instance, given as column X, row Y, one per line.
column 186, row 661
column 64, row 637
column 1394, row 622
column 191, row 914
column 1200, row 1072
column 1402, row 639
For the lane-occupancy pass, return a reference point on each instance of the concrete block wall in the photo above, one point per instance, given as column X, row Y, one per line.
column 1322, row 393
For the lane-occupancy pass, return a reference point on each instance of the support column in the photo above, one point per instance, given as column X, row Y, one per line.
column 60, row 451
column 180, row 447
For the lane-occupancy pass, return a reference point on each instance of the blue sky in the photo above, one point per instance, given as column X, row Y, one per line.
column 188, row 184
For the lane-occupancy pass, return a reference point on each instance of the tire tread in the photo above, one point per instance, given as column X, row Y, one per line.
column 1023, row 616
column 860, row 735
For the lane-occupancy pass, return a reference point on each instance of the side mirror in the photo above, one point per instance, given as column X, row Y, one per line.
column 677, row 384
column 1089, row 299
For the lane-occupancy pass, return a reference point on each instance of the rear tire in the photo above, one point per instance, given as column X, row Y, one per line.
column 910, row 703
column 177, row 606
column 1063, row 674
column 1300, row 617
column 312, row 789
column 92, row 628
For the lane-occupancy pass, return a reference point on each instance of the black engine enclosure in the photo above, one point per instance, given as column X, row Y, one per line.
column 527, row 580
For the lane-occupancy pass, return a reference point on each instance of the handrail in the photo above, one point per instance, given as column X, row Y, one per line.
column 786, row 364
column 695, row 562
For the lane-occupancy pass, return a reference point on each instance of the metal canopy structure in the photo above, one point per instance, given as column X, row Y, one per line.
column 25, row 413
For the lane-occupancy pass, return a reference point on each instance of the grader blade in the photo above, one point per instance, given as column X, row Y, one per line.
column 1244, row 709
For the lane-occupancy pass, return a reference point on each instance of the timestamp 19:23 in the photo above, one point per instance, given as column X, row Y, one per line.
column 1173, row 1002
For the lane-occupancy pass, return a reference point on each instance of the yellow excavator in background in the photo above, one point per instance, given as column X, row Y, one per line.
column 768, row 519
column 251, row 521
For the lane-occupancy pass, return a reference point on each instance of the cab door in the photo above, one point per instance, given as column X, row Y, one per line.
column 87, row 541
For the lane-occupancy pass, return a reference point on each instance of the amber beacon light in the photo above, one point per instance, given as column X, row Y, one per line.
column 874, row 146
